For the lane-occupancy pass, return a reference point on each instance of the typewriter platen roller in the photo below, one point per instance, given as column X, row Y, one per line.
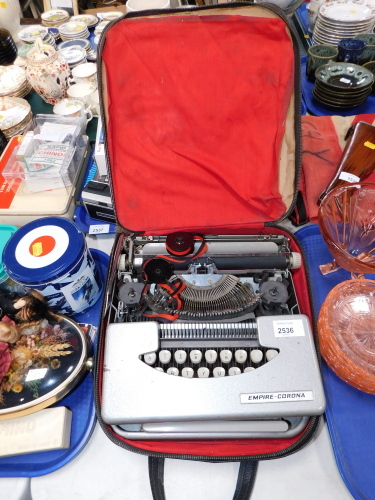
column 208, row 331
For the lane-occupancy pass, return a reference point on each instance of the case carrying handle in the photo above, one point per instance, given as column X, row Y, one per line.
column 244, row 486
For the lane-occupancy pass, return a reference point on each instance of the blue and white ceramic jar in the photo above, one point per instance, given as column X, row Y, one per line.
column 51, row 255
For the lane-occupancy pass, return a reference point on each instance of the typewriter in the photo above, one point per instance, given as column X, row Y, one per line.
column 205, row 340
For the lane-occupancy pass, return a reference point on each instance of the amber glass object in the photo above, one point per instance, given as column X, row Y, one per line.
column 347, row 223
column 358, row 158
column 8, row 49
column 346, row 332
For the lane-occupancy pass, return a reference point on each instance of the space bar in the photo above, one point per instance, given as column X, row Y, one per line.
column 218, row 426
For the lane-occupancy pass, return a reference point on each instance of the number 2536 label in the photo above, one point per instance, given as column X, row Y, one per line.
column 288, row 328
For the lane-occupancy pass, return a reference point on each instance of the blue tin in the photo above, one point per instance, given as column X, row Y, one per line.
column 51, row 255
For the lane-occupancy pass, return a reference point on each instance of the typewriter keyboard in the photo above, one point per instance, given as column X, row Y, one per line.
column 204, row 363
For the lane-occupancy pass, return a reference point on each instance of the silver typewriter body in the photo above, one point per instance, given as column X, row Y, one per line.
column 237, row 299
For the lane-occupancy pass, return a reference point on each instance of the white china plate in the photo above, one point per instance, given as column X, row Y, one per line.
column 88, row 19
column 55, row 15
column 73, row 28
column 346, row 11
column 31, row 33
column 11, row 77
column 12, row 111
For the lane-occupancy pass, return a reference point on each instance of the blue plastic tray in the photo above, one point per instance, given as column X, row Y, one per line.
column 302, row 14
column 81, row 217
column 318, row 109
column 80, row 401
column 84, row 221
column 350, row 413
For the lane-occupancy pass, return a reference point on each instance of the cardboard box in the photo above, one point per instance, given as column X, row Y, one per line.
column 44, row 430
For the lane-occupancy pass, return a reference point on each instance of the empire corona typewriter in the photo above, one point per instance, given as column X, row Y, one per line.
column 206, row 340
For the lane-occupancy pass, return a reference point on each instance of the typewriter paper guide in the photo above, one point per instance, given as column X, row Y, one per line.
column 205, row 145
column 290, row 385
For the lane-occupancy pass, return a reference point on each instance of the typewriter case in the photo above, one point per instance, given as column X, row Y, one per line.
column 201, row 109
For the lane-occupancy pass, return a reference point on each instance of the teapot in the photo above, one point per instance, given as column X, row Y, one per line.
column 48, row 72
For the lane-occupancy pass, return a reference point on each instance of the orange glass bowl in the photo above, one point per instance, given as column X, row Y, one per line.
column 347, row 223
column 346, row 328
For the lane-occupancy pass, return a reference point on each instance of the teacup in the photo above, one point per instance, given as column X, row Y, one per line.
column 72, row 107
column 82, row 92
column 368, row 53
column 85, row 73
column 317, row 56
column 350, row 50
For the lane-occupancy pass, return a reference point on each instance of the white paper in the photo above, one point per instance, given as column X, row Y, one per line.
column 59, row 4
column 99, row 229
column 55, row 132
column 288, row 328
column 346, row 176
column 36, row 374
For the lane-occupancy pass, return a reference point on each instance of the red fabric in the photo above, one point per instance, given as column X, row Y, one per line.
column 321, row 154
column 196, row 108
column 225, row 448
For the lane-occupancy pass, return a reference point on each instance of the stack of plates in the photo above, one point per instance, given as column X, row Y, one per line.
column 74, row 55
column 99, row 29
column 73, row 30
column 342, row 85
column 53, row 18
column 84, row 44
column 91, row 55
column 13, row 82
column 15, row 116
column 31, row 33
column 88, row 19
column 342, row 19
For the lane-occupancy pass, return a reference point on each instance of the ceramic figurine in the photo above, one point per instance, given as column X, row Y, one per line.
column 48, row 72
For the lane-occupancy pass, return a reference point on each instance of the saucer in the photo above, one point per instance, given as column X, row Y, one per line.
column 31, row 33
column 83, row 43
column 88, row 19
column 54, row 17
column 74, row 55
column 110, row 16
column 344, row 75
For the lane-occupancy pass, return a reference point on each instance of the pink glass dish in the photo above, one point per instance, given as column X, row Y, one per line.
column 346, row 329
column 347, row 223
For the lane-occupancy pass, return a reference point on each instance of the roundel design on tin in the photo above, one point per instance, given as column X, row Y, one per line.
column 42, row 245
